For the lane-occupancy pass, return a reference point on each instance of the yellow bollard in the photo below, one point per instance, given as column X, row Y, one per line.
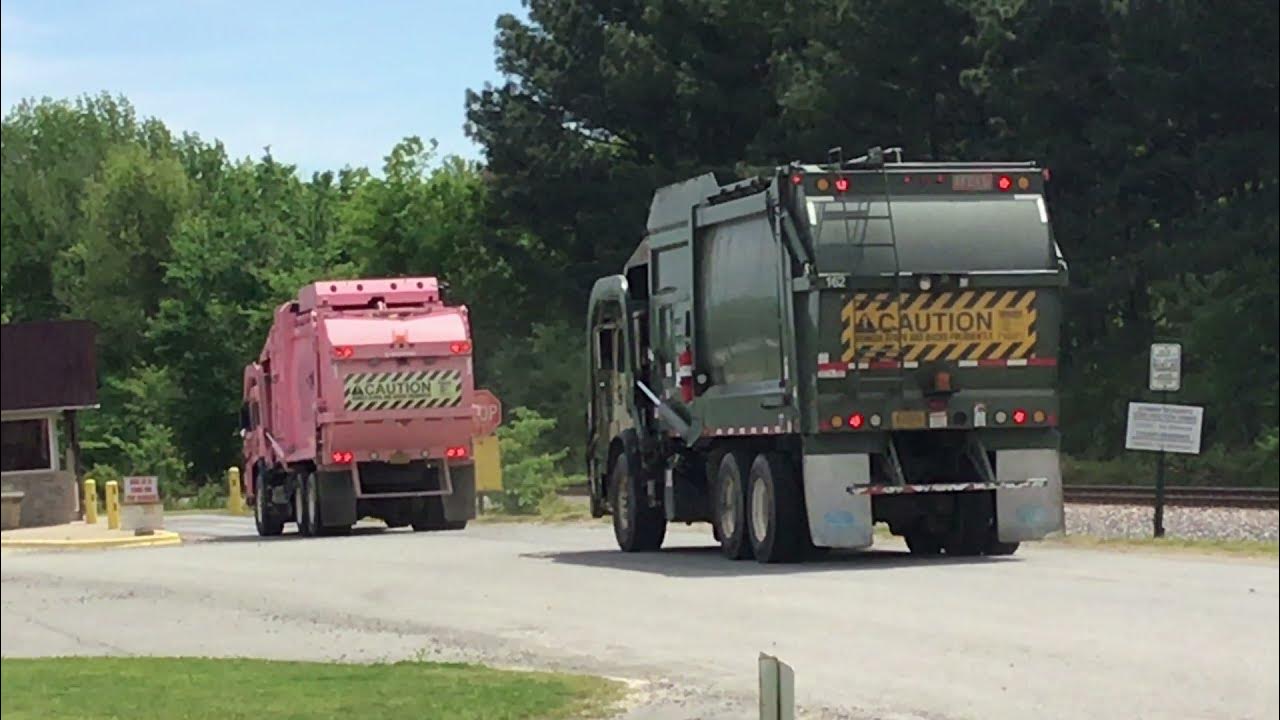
column 90, row 501
column 235, row 501
column 113, row 505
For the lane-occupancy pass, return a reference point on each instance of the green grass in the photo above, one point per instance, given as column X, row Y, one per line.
column 205, row 689
column 554, row 509
column 1233, row 548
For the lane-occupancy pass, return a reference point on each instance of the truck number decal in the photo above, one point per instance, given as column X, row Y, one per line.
column 964, row 325
column 402, row 390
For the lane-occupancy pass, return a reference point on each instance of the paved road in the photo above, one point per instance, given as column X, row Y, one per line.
column 1051, row 632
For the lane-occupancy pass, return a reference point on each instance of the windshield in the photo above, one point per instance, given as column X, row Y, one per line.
column 933, row 234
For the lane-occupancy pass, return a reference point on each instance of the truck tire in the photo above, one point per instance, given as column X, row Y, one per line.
column 971, row 523
column 300, row 513
column 636, row 526
column 315, row 510
column 729, row 505
column 267, row 521
column 995, row 547
column 775, row 510
column 923, row 542
column 430, row 517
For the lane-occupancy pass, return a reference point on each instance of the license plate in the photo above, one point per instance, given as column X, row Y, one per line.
column 908, row 419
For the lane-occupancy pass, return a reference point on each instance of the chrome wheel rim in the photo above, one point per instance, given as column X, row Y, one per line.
column 623, row 513
column 728, row 506
column 312, row 502
column 759, row 509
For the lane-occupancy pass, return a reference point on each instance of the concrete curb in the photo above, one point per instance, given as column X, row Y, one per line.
column 160, row 538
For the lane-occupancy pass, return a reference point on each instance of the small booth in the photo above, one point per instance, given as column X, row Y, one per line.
column 48, row 373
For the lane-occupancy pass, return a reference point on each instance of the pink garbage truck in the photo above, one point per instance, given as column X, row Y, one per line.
column 360, row 405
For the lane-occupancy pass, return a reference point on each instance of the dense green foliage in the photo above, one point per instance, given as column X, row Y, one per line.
column 1158, row 119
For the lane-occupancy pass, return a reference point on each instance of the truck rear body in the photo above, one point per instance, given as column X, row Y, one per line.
column 371, row 381
column 893, row 330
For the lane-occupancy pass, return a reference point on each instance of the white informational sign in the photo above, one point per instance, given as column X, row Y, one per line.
column 1166, row 367
column 1171, row 428
column 141, row 490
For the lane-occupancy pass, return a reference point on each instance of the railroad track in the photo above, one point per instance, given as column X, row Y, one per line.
column 1266, row 498
column 1184, row 496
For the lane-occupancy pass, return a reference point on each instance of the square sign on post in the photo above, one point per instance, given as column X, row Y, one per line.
column 141, row 490
column 1164, row 428
column 1166, row 367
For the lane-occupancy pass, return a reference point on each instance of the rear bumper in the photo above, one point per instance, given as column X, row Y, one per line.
column 945, row 487
column 424, row 478
column 839, row 496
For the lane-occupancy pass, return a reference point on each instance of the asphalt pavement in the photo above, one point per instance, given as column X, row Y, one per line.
column 1049, row 633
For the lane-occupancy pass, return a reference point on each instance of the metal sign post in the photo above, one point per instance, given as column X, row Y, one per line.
column 1164, row 376
column 1162, row 427
column 1158, row 518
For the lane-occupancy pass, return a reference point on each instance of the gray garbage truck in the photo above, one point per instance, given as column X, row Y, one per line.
column 797, row 356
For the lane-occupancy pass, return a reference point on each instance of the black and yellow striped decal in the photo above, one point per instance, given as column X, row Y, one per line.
column 402, row 390
column 949, row 325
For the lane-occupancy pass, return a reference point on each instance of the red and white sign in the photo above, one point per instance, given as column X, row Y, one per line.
column 141, row 490
column 488, row 413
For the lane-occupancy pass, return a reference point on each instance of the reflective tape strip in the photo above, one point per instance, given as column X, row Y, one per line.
column 943, row 487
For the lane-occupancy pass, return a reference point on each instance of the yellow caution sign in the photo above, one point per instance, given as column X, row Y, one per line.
column 952, row 325
column 488, row 461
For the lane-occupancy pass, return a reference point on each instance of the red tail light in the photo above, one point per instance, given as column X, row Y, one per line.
column 856, row 421
column 456, row 453
column 842, row 184
column 1005, row 183
column 461, row 347
column 342, row 352
column 797, row 178
column 342, row 457
column 1019, row 416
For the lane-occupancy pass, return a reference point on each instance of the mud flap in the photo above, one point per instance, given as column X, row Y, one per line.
column 1034, row 512
column 838, row 518
column 337, row 498
column 461, row 503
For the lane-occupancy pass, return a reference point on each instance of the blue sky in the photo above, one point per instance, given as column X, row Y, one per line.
column 325, row 84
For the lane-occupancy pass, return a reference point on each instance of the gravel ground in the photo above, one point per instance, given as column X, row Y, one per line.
column 1134, row 521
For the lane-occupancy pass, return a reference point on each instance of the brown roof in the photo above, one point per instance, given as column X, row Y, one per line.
column 48, row 365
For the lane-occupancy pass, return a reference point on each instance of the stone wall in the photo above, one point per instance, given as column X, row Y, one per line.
column 50, row 497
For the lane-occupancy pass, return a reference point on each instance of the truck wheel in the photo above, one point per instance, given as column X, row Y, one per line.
column 923, row 542
column 313, row 512
column 636, row 527
column 729, row 505
column 776, row 510
column 268, row 523
column 301, row 513
column 431, row 517
column 995, row 547
column 971, row 522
